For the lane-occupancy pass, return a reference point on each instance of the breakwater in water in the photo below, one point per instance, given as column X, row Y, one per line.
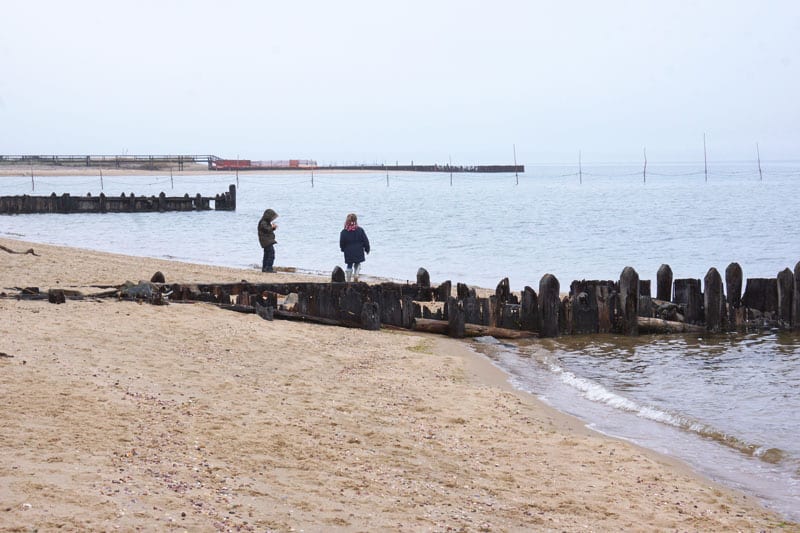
column 66, row 203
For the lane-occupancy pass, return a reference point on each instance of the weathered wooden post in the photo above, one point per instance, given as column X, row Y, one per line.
column 687, row 293
column 529, row 310
column 714, row 301
column 66, row 203
column 501, row 296
column 423, row 278
column 462, row 291
column 664, row 283
column 232, row 201
column 785, row 296
column 472, row 309
column 549, row 305
column 761, row 294
column 455, row 318
column 584, row 317
column 796, row 298
column 733, row 284
column 443, row 292
column 337, row 276
column 371, row 316
column 629, row 301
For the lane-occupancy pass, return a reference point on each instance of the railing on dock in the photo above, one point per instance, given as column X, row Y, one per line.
column 144, row 162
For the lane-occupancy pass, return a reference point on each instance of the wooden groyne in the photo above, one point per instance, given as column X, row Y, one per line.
column 625, row 306
column 22, row 204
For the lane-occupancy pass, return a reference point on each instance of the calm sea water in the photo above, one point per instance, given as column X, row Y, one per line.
column 728, row 405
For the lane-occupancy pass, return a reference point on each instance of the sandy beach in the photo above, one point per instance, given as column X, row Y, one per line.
column 119, row 415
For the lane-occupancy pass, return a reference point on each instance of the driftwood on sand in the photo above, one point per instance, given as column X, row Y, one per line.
column 9, row 250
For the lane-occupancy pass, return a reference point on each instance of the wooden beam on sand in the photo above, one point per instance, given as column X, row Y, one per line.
column 430, row 325
column 657, row 325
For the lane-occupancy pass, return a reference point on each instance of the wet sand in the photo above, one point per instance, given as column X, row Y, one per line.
column 119, row 415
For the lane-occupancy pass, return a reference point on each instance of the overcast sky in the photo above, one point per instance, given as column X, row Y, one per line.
column 372, row 81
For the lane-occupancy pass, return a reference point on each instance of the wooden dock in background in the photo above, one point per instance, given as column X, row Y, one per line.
column 185, row 161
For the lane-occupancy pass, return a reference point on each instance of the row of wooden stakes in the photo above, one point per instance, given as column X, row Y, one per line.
column 624, row 306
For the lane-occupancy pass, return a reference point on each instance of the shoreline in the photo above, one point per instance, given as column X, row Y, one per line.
column 415, row 430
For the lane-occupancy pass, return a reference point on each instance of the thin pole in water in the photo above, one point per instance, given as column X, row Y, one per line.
column 705, row 157
column 516, row 174
column 312, row 178
column 171, row 182
column 101, row 179
column 33, row 184
column 387, row 174
column 450, row 166
column 644, row 170
column 758, row 154
column 580, row 168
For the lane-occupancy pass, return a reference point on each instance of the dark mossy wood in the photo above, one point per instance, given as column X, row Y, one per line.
column 486, row 310
column 455, row 318
column 761, row 294
column 350, row 303
column 390, row 298
column 591, row 308
column 733, row 284
column 337, row 275
column 645, row 306
column 67, row 203
column 158, row 277
column 629, row 301
column 56, row 296
column 243, row 298
column 796, row 298
column 472, row 309
column 785, row 282
column 408, row 312
column 644, row 287
column 549, row 305
column 463, row 291
column 371, row 316
column 583, row 307
column 565, row 316
column 503, row 290
column 444, row 290
column 664, row 283
column 509, row 316
column 529, row 310
column 423, row 278
column 687, row 294
column 607, row 294
column 267, row 312
column 714, row 301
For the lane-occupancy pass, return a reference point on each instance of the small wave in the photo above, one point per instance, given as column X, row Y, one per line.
column 597, row 393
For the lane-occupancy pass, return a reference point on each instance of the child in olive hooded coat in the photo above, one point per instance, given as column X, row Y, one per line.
column 266, row 238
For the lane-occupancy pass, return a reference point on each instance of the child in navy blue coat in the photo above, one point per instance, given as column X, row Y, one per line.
column 354, row 243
